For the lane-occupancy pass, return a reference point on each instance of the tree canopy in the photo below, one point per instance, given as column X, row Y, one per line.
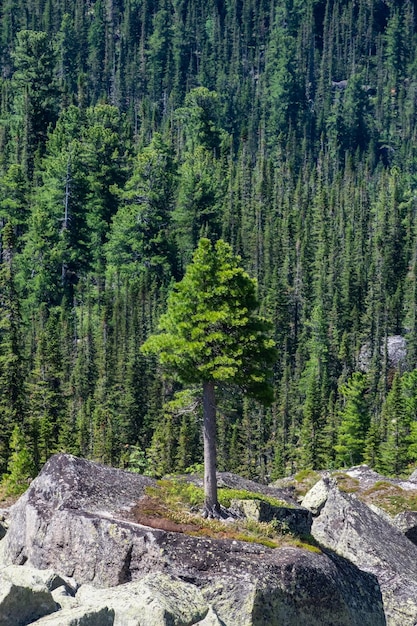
column 211, row 330
column 131, row 129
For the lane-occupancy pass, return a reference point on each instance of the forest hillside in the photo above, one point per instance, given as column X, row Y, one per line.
column 129, row 129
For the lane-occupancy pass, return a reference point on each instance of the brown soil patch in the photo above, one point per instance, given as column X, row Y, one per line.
column 149, row 512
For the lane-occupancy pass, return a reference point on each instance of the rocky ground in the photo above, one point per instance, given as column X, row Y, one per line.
column 75, row 555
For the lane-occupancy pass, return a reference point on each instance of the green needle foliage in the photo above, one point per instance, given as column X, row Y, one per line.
column 211, row 330
column 128, row 131
column 211, row 333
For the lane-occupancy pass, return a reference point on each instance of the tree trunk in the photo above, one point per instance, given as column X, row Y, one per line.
column 211, row 505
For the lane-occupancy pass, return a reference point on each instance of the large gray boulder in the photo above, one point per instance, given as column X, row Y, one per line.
column 24, row 597
column 353, row 530
column 79, row 616
column 155, row 600
column 302, row 589
column 315, row 499
column 407, row 523
column 75, row 519
column 72, row 519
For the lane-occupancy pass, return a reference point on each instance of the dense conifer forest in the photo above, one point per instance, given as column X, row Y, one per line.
column 131, row 128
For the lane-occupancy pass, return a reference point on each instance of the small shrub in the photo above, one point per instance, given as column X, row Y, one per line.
column 306, row 474
column 176, row 493
column 137, row 461
column 197, row 468
column 304, row 480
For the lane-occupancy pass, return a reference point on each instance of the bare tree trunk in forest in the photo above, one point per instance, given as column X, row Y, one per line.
column 211, row 504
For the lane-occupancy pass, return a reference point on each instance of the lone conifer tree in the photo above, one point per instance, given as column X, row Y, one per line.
column 210, row 334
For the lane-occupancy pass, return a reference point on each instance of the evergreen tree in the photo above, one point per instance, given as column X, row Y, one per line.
column 212, row 334
column 47, row 399
column 34, row 88
column 12, row 370
column 394, row 451
column 20, row 467
column 354, row 422
column 141, row 233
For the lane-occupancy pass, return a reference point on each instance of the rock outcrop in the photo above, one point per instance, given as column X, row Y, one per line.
column 349, row 527
column 394, row 349
column 25, row 595
column 80, row 616
column 74, row 519
column 156, row 599
column 368, row 478
column 292, row 519
column 315, row 499
column 407, row 523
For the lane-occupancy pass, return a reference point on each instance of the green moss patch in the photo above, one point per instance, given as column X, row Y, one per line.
column 346, row 483
column 174, row 505
column 226, row 495
column 305, row 480
column 390, row 497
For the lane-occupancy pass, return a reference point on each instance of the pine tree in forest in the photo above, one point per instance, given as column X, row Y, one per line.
column 354, row 422
column 312, row 425
column 12, row 366
column 104, row 140
column 285, row 94
column 212, row 334
column 159, row 57
column 46, row 389
column 68, row 44
column 409, row 390
column 201, row 175
column 198, row 207
column 141, row 233
column 13, row 200
column 394, row 450
column 34, row 89
column 20, row 468
column 357, row 122
column 173, row 446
